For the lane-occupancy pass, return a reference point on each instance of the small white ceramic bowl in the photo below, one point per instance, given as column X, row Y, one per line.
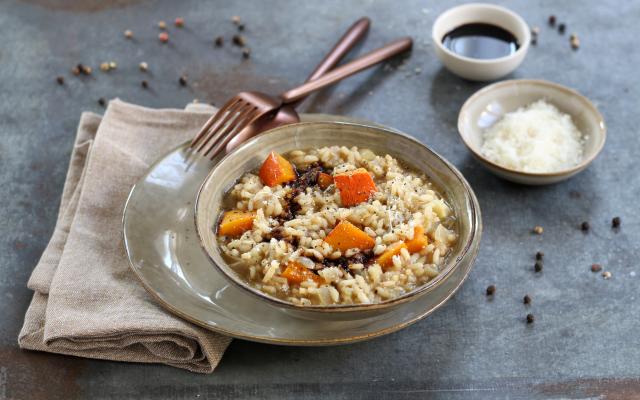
column 488, row 105
column 477, row 69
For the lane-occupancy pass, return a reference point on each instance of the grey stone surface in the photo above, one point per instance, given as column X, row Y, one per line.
column 585, row 340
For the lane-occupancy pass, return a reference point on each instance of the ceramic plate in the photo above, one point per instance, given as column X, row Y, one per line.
column 165, row 254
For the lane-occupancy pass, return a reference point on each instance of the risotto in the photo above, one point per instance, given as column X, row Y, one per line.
column 335, row 226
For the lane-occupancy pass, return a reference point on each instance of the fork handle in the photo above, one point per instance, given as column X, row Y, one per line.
column 351, row 37
column 346, row 70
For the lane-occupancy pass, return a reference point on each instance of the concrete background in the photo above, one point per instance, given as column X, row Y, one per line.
column 585, row 342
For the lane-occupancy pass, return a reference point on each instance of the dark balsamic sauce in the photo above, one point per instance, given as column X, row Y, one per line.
column 481, row 41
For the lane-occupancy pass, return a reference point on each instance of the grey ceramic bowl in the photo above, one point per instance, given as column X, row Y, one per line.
column 488, row 105
column 250, row 155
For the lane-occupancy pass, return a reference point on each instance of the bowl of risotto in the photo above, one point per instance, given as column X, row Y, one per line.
column 328, row 219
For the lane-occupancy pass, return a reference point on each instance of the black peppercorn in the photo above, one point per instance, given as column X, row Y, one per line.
column 526, row 299
column 562, row 28
column 491, row 289
column 60, row 80
column 538, row 266
column 530, row 318
column 238, row 40
column 144, row 84
column 246, row 53
column 240, row 27
column 585, row 226
column 219, row 41
column 552, row 20
column 615, row 222
column 102, row 101
column 539, row 255
column 182, row 80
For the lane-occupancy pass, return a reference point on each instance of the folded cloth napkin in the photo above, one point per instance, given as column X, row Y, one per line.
column 87, row 302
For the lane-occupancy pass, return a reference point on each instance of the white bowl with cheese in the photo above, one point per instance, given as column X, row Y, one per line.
column 488, row 107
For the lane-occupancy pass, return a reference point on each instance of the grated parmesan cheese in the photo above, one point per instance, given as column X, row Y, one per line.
column 535, row 138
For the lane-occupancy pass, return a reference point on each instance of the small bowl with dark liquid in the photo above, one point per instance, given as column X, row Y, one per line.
column 481, row 42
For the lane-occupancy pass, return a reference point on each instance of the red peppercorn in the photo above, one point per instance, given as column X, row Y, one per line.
column 179, row 22
column 164, row 37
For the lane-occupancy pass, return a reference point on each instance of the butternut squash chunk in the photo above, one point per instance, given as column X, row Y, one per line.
column 419, row 241
column 297, row 273
column 355, row 186
column 236, row 222
column 276, row 170
column 386, row 259
column 347, row 236
column 324, row 180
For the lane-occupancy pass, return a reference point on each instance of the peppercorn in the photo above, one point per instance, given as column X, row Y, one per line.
column 535, row 30
column 101, row 101
column 162, row 25
column 238, row 40
column 164, row 37
column 575, row 42
column 143, row 66
column 534, row 40
column 552, row 20
column 182, row 80
column 60, row 80
column 219, row 41
column 235, row 19
column 615, row 222
column 596, row 267
column 538, row 266
column 104, row 66
column 179, row 22
column 585, row 226
column 75, row 70
column 241, row 27
column 113, row 65
column 526, row 299
column 128, row 34
column 539, row 255
column 144, row 84
column 491, row 289
column 530, row 318
column 606, row 275
column 246, row 52
column 561, row 28
column 86, row 70
column 538, row 230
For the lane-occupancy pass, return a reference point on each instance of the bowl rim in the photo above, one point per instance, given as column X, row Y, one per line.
column 547, row 84
column 475, row 233
column 522, row 50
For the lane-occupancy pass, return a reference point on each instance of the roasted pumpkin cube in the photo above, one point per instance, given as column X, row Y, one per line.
column 386, row 259
column 324, row 180
column 276, row 170
column 236, row 222
column 347, row 236
column 419, row 241
column 355, row 186
column 297, row 273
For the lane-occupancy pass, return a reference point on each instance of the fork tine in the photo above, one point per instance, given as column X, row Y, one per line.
column 222, row 128
column 239, row 125
column 214, row 118
column 227, row 132
column 212, row 133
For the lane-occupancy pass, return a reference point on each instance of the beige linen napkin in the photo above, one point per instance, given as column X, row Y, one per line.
column 87, row 302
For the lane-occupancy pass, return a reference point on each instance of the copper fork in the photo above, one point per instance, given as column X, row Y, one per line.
column 248, row 107
column 287, row 113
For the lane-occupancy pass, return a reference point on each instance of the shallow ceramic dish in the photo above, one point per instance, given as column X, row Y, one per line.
column 488, row 105
column 478, row 69
column 166, row 257
column 407, row 150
